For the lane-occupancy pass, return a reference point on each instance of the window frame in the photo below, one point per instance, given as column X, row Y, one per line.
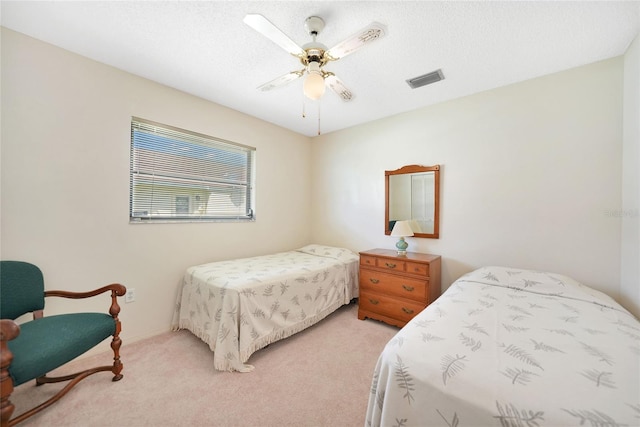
column 190, row 182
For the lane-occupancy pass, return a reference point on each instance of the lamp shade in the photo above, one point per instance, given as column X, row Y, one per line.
column 402, row 229
column 313, row 86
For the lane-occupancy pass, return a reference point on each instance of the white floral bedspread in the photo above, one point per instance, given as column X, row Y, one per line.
column 242, row 305
column 509, row 347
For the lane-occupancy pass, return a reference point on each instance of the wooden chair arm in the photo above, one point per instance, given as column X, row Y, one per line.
column 117, row 290
column 8, row 330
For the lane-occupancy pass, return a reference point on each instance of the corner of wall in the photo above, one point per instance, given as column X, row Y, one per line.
column 630, row 212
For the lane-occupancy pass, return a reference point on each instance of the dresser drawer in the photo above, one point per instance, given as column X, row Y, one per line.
column 391, row 264
column 405, row 287
column 389, row 306
column 416, row 268
column 368, row 260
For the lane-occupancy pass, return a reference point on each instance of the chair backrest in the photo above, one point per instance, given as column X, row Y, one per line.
column 21, row 289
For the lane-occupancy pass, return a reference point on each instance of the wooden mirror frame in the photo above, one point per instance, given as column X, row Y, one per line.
column 409, row 170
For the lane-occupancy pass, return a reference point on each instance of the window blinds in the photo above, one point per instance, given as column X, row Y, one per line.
column 178, row 175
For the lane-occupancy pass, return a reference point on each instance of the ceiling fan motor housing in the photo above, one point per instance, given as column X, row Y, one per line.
column 314, row 51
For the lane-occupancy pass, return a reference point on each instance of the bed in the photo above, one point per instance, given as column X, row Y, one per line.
column 240, row 306
column 511, row 347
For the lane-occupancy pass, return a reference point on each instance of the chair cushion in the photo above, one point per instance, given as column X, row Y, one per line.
column 49, row 342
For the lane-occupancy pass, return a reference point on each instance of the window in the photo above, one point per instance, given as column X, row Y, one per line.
column 182, row 176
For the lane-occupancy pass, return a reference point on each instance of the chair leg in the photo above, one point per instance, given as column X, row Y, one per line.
column 8, row 331
column 117, row 364
column 6, row 385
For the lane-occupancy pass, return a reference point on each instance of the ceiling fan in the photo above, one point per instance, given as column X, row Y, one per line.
column 314, row 55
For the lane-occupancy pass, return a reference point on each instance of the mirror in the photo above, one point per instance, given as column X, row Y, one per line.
column 413, row 193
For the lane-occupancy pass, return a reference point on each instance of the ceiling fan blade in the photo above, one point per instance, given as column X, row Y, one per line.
column 281, row 81
column 273, row 33
column 368, row 34
column 338, row 87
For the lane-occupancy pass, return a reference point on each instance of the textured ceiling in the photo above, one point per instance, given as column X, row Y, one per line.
column 204, row 48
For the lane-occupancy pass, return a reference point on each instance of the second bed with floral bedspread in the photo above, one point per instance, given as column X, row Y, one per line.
column 510, row 347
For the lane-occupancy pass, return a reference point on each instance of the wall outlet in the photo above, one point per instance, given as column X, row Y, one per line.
column 130, row 296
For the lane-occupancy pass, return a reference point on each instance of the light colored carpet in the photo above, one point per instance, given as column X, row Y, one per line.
column 318, row 377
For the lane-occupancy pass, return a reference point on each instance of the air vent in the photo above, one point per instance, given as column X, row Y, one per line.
column 426, row 79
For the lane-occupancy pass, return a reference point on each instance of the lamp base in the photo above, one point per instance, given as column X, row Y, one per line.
column 402, row 246
column 402, row 253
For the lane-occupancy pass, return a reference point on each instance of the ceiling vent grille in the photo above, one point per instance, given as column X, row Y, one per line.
column 426, row 79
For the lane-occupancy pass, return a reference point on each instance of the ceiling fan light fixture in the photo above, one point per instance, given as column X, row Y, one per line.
column 313, row 86
column 314, row 55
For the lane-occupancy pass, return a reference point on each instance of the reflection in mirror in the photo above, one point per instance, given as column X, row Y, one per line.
column 412, row 194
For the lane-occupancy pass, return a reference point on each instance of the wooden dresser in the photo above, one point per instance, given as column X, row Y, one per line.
column 395, row 288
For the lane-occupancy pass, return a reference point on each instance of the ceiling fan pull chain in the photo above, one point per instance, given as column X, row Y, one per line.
column 318, row 117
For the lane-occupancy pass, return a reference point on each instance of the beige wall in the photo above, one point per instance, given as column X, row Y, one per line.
column 630, row 266
column 65, row 184
column 530, row 176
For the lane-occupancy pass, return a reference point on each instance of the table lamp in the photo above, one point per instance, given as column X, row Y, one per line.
column 402, row 229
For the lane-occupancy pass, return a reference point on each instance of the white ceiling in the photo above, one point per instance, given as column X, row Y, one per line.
column 204, row 48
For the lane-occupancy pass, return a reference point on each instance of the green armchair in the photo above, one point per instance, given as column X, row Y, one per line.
column 32, row 349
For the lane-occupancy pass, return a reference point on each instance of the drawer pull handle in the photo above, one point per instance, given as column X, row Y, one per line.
column 407, row 310
column 374, row 301
column 390, row 264
column 374, row 281
column 408, row 288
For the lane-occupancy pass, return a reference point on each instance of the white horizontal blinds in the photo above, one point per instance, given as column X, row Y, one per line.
column 182, row 175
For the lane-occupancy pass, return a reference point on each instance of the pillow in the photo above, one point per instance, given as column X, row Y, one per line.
column 340, row 254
